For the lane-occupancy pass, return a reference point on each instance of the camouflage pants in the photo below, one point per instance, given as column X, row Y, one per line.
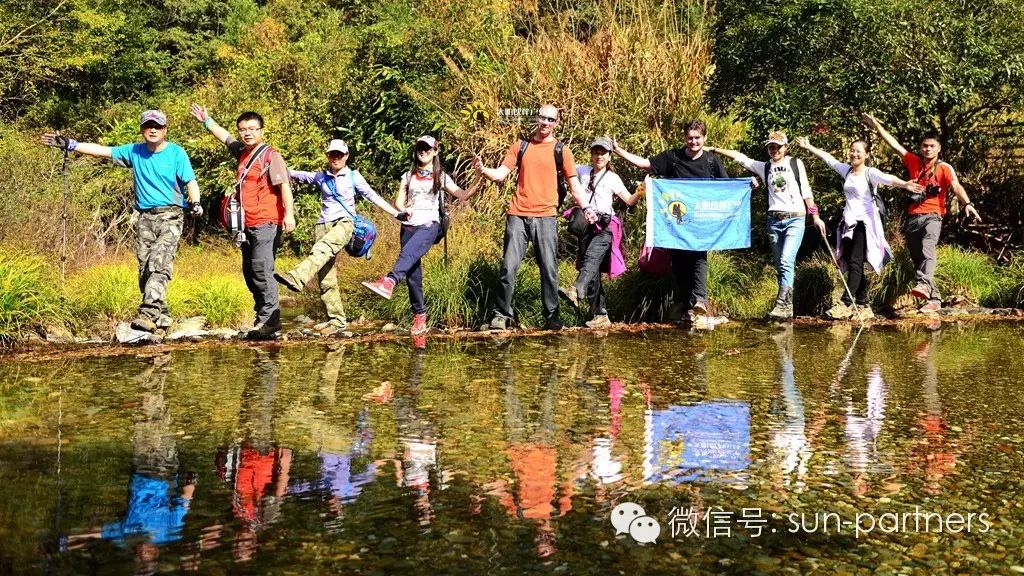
column 331, row 239
column 156, row 244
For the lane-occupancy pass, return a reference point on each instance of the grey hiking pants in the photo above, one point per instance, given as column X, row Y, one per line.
column 543, row 233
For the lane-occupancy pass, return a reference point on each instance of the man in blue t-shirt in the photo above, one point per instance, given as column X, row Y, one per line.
column 161, row 170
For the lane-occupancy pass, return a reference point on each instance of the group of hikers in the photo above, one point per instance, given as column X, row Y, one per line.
column 546, row 172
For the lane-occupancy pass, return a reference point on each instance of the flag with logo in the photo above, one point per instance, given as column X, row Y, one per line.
column 698, row 214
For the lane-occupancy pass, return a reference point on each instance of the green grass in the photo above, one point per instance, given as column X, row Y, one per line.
column 965, row 275
column 28, row 295
column 742, row 290
column 816, row 287
column 104, row 292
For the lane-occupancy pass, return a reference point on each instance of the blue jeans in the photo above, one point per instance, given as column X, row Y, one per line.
column 786, row 236
column 416, row 241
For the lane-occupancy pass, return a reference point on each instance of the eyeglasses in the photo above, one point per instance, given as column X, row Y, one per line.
column 546, row 119
column 249, row 130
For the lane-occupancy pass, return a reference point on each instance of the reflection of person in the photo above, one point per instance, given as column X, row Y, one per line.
column 923, row 224
column 419, row 197
column 340, row 187
column 789, row 440
column 531, row 213
column 860, row 237
column 600, row 248
column 689, row 268
column 789, row 201
column 257, row 468
column 862, row 431
column 532, row 455
column 344, row 465
column 418, row 438
column 159, row 171
column 266, row 196
column 156, row 509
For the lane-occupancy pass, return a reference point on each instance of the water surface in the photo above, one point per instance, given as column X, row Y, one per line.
column 754, row 449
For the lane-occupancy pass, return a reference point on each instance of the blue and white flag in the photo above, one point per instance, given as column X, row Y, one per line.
column 689, row 214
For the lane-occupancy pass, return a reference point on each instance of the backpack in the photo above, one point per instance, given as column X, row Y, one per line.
column 562, row 189
column 364, row 232
column 883, row 211
column 232, row 215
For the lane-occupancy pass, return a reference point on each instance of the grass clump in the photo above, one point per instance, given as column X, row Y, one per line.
column 965, row 275
column 104, row 292
column 1008, row 292
column 223, row 300
column 742, row 290
column 816, row 286
column 28, row 295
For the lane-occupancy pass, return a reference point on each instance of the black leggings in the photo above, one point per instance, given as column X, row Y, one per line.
column 854, row 252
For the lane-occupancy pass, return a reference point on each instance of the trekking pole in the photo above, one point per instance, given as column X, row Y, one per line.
column 64, row 220
column 840, row 269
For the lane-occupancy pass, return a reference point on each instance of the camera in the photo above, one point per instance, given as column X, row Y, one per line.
column 931, row 190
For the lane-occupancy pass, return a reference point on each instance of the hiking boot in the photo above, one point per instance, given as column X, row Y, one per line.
column 331, row 326
column 263, row 331
column 553, row 324
column 382, row 287
column 570, row 294
column 700, row 308
column 783, row 305
column 164, row 322
column 287, row 280
column 930, row 307
column 599, row 322
column 920, row 292
column 143, row 324
column 419, row 342
column 419, row 324
column 863, row 313
column 499, row 322
column 839, row 312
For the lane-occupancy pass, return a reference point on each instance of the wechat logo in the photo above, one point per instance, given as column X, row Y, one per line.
column 630, row 518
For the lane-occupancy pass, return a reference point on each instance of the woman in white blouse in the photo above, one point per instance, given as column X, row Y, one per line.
column 860, row 237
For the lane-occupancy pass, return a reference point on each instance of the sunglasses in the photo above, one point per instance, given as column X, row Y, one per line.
column 547, row 119
column 774, row 147
column 149, row 125
column 336, row 155
column 423, row 148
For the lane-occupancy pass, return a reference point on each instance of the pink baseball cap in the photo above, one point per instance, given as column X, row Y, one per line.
column 153, row 116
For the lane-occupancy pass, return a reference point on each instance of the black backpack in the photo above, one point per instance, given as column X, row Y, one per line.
column 883, row 211
column 562, row 189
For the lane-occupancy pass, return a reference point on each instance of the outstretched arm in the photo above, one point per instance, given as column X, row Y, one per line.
column 203, row 116
column 493, row 174
column 873, row 123
column 805, row 143
column 638, row 161
column 72, row 145
column 461, row 194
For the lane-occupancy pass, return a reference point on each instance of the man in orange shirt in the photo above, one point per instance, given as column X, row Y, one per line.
column 923, row 223
column 531, row 213
column 266, row 196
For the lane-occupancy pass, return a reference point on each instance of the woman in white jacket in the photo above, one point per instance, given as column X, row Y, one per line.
column 860, row 237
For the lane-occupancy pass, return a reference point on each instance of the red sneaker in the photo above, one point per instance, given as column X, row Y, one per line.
column 920, row 292
column 382, row 287
column 419, row 324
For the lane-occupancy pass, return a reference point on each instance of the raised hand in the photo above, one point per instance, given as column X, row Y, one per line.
column 802, row 141
column 198, row 112
column 59, row 141
column 869, row 120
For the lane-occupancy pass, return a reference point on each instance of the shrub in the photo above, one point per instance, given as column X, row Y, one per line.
column 816, row 285
column 1008, row 291
column 28, row 295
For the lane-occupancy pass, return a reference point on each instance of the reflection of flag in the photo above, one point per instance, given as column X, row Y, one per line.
column 692, row 214
column 685, row 443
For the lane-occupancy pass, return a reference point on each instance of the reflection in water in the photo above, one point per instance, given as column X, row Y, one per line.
column 699, row 441
column 345, row 466
column 419, row 441
column 360, row 459
column 156, row 509
column 789, row 442
column 933, row 454
column 531, row 451
column 257, row 468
